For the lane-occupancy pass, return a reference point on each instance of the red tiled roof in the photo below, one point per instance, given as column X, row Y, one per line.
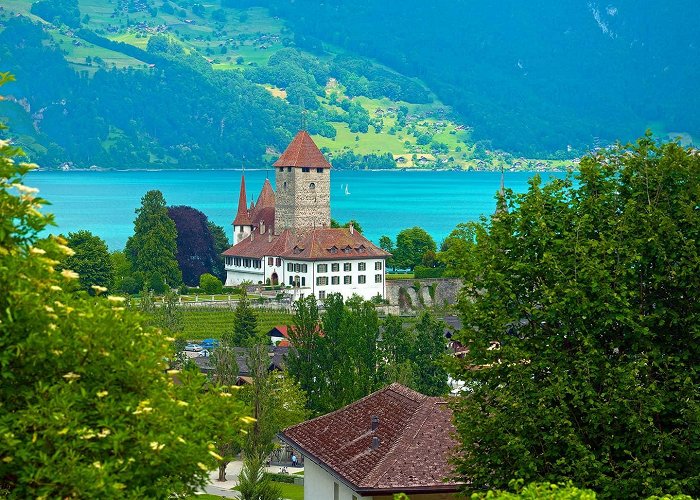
column 302, row 152
column 282, row 329
column 266, row 198
column 415, row 442
column 242, row 217
column 334, row 243
column 261, row 245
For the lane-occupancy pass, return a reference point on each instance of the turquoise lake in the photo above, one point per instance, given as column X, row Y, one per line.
column 384, row 202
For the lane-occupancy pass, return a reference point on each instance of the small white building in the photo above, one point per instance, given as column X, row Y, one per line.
column 285, row 238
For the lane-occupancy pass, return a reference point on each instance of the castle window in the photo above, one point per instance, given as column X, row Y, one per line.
column 298, row 250
column 322, row 295
column 362, row 279
column 322, row 268
column 319, row 170
column 335, row 280
column 362, row 266
column 312, row 185
column 377, row 266
column 303, row 281
column 305, row 169
column 289, row 169
column 297, row 268
column 281, row 169
column 284, row 185
column 322, row 280
column 278, row 261
column 304, row 269
column 347, row 280
column 347, row 249
column 335, row 267
column 347, row 266
column 290, row 267
column 333, row 249
column 361, row 249
column 377, row 278
column 270, row 260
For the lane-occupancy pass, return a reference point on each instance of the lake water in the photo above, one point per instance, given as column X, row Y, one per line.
column 384, row 202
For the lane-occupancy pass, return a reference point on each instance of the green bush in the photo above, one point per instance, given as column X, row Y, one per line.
column 210, row 284
column 421, row 272
column 280, row 478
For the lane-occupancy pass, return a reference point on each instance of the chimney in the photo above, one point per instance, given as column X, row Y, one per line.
column 375, row 422
column 262, row 227
column 269, row 237
column 352, row 229
column 375, row 442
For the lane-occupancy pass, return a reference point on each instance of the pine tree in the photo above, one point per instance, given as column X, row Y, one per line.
column 153, row 246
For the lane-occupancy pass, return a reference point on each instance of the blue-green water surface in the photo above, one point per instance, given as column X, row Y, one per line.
column 384, row 202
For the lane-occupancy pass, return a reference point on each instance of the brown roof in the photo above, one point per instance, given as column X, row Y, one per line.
column 302, row 152
column 259, row 245
column 242, row 217
column 266, row 198
column 415, row 442
column 334, row 243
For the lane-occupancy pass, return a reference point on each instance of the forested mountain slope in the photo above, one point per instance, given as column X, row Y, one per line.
column 462, row 84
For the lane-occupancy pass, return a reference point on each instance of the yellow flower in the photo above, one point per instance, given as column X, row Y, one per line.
column 68, row 274
column 97, row 465
column 66, row 250
column 154, row 445
column 183, row 403
column 63, row 431
column 215, row 455
column 99, row 289
column 101, row 394
column 7, row 460
column 247, row 420
column 202, row 466
column 37, row 251
column 104, row 433
column 173, row 372
column 71, row 377
column 56, row 288
column 115, row 298
column 181, row 440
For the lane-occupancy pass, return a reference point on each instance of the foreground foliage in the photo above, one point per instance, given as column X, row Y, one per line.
column 87, row 409
column 582, row 321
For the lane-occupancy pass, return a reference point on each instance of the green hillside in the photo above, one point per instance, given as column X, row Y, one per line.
column 162, row 61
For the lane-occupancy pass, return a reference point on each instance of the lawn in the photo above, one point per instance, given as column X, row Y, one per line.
column 206, row 322
column 291, row 491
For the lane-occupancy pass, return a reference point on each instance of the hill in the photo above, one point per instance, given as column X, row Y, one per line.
column 141, row 83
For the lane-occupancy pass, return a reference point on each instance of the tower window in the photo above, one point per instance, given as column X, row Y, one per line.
column 305, row 169
column 284, row 185
column 312, row 185
column 319, row 170
column 289, row 169
column 281, row 169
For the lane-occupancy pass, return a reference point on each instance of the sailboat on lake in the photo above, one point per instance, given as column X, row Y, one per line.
column 347, row 191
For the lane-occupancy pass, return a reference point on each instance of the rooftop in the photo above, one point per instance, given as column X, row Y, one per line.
column 415, row 442
column 302, row 152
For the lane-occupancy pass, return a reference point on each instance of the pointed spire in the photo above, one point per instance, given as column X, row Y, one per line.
column 242, row 217
column 266, row 197
column 302, row 152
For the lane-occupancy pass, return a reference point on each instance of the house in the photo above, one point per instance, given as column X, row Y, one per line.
column 285, row 236
column 277, row 355
column 392, row 441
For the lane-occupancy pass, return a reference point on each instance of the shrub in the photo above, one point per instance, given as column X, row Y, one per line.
column 210, row 284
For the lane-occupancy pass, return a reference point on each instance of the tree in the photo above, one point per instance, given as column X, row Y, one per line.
column 304, row 361
column 275, row 399
column 254, row 484
column 245, row 321
column 90, row 260
column 79, row 419
column 387, row 245
column 210, row 284
column 581, row 325
column 152, row 248
column 429, row 352
column 197, row 253
column 411, row 245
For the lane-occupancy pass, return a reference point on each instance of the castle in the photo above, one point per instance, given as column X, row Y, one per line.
column 285, row 236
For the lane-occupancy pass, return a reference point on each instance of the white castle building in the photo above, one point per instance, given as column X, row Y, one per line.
column 285, row 236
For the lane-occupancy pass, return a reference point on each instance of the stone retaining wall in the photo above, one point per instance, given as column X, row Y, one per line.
column 412, row 294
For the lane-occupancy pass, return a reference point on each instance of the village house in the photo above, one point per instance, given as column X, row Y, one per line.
column 395, row 440
column 285, row 238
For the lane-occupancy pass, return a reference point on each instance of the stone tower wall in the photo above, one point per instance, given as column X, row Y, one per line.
column 298, row 206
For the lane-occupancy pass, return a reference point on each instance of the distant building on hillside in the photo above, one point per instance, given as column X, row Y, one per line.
column 285, row 236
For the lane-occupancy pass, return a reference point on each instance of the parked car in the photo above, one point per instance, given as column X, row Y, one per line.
column 210, row 344
column 193, row 347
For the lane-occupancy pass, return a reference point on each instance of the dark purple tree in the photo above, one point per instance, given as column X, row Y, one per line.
column 196, row 247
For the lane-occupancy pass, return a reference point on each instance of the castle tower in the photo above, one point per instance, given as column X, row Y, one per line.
column 303, row 194
column 242, row 226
